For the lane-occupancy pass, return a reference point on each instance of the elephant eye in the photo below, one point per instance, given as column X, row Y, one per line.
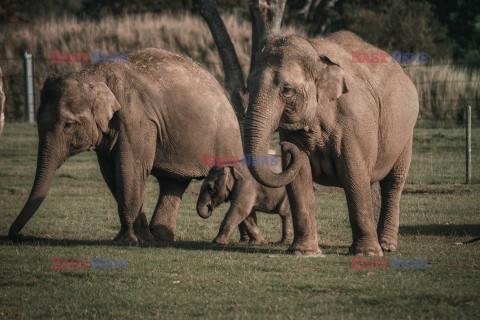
column 210, row 188
column 288, row 92
column 69, row 125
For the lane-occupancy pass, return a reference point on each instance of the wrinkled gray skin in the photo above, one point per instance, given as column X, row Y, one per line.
column 156, row 114
column 2, row 104
column 235, row 184
column 353, row 124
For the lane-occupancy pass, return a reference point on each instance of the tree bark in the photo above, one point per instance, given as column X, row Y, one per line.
column 234, row 80
column 266, row 20
column 2, row 104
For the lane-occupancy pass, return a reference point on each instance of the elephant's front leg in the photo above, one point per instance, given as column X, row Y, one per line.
column 140, row 226
column 133, row 163
column 302, row 199
column 358, row 191
column 237, row 213
column 164, row 219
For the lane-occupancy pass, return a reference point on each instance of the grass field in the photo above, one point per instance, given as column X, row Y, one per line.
column 193, row 278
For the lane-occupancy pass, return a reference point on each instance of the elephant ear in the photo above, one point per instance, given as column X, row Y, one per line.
column 331, row 81
column 236, row 173
column 105, row 105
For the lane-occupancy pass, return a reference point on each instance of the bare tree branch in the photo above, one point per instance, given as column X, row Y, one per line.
column 234, row 80
column 266, row 20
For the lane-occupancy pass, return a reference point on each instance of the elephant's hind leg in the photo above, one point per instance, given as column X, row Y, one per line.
column 391, row 189
column 164, row 219
column 242, row 228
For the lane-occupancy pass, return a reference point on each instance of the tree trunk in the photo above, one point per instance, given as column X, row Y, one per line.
column 2, row 104
column 266, row 19
column 234, row 81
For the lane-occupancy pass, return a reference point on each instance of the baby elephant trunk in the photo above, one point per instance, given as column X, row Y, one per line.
column 204, row 201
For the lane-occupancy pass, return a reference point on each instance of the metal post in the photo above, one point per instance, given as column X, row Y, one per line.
column 469, row 144
column 29, row 88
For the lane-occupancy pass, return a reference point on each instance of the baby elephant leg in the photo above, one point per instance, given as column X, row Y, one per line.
column 287, row 228
column 244, row 237
column 253, row 229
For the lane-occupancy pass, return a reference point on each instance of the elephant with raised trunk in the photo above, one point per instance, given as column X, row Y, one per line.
column 234, row 183
column 352, row 124
column 156, row 114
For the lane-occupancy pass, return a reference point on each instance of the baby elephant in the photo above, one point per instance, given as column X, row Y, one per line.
column 234, row 183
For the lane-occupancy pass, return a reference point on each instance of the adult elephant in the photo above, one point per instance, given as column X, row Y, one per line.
column 156, row 114
column 352, row 123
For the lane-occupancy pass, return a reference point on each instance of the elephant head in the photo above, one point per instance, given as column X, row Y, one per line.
column 289, row 85
column 73, row 117
column 216, row 188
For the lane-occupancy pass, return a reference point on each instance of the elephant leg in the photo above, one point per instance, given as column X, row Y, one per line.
column 376, row 201
column 234, row 216
column 391, row 188
column 244, row 237
column 253, row 229
column 140, row 225
column 287, row 228
column 164, row 219
column 358, row 191
column 301, row 197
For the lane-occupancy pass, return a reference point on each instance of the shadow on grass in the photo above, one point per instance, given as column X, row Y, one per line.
column 451, row 230
column 186, row 245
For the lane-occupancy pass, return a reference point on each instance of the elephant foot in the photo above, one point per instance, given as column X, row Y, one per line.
column 124, row 237
column 162, row 233
column 144, row 236
column 366, row 250
column 286, row 241
column 390, row 246
column 256, row 241
column 220, row 240
column 305, row 250
column 244, row 239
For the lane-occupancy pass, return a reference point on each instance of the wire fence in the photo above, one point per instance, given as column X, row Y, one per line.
column 444, row 91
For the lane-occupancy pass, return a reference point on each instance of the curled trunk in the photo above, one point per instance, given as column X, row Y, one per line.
column 258, row 129
column 201, row 204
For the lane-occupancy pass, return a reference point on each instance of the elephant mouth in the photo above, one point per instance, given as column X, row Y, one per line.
column 293, row 126
column 210, row 208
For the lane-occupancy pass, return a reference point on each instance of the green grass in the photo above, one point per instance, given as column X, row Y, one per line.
column 193, row 278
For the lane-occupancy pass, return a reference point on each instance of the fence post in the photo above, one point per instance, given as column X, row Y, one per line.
column 29, row 87
column 468, row 120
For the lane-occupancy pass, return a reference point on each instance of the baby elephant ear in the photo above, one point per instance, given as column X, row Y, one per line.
column 236, row 174
column 105, row 105
column 331, row 81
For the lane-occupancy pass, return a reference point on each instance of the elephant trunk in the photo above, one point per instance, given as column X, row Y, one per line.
column 201, row 204
column 261, row 121
column 47, row 164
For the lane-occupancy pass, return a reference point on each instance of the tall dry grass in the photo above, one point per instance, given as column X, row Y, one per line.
column 442, row 90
